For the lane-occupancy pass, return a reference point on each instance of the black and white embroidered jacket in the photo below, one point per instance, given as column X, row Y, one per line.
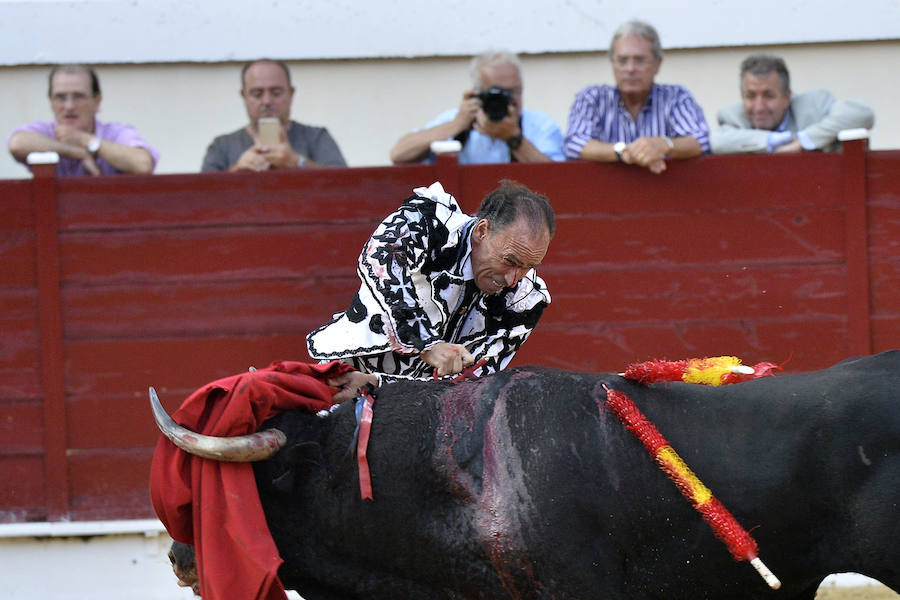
column 418, row 289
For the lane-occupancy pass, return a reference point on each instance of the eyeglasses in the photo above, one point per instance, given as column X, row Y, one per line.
column 76, row 97
column 638, row 61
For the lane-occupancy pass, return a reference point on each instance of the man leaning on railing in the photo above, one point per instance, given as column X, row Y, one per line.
column 85, row 145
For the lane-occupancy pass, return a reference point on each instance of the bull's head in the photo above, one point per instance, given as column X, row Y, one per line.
column 245, row 448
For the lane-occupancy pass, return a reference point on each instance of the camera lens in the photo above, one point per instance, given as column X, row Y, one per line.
column 495, row 103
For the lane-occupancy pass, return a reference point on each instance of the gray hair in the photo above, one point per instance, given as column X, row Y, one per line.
column 489, row 59
column 763, row 64
column 645, row 30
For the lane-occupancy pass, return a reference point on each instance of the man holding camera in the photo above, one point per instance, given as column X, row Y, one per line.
column 490, row 121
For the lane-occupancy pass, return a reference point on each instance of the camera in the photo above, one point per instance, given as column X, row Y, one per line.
column 495, row 103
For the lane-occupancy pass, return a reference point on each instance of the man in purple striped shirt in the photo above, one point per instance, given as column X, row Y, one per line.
column 638, row 121
column 85, row 145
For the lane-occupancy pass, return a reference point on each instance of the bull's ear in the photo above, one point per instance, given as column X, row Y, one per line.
column 284, row 483
column 303, row 456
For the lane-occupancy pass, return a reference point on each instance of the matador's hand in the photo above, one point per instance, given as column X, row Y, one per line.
column 348, row 383
column 448, row 359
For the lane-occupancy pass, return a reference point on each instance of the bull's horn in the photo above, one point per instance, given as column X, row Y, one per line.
column 245, row 448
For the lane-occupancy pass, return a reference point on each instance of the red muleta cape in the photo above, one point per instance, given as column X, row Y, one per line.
column 215, row 505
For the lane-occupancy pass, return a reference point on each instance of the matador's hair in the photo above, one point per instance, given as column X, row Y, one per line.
column 512, row 201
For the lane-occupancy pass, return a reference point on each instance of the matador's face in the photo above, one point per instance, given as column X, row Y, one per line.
column 501, row 257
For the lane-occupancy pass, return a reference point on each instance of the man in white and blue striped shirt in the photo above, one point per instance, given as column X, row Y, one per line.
column 638, row 121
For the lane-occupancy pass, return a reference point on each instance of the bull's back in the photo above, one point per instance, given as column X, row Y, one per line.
column 523, row 484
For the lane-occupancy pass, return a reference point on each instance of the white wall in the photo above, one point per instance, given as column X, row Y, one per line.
column 368, row 104
column 371, row 71
column 54, row 562
column 149, row 31
column 130, row 565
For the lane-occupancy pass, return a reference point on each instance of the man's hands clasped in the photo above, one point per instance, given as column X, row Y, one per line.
column 78, row 141
column 647, row 152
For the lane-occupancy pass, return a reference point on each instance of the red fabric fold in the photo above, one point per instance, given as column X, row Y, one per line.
column 215, row 505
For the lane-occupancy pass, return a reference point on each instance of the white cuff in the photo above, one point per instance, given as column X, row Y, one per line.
column 805, row 140
column 778, row 138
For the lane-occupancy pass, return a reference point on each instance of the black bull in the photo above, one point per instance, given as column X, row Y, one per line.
column 523, row 485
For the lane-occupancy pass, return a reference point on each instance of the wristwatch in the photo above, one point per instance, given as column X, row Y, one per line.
column 514, row 142
column 94, row 145
column 619, row 148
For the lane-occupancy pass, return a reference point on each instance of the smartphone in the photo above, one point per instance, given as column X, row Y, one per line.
column 269, row 131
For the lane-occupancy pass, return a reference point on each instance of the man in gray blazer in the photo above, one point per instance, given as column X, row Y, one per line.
column 771, row 119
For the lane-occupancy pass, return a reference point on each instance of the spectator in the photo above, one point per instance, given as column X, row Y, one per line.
column 442, row 290
column 771, row 119
column 85, row 145
column 267, row 93
column 490, row 121
column 638, row 121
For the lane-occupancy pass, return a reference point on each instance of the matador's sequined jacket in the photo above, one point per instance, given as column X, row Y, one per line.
column 418, row 289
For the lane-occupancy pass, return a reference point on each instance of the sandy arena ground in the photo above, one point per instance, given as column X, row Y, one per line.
column 869, row 592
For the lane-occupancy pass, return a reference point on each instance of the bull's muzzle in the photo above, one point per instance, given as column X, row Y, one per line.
column 245, row 448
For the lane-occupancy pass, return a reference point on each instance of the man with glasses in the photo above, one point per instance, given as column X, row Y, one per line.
column 490, row 121
column 86, row 146
column 267, row 93
column 771, row 119
column 638, row 121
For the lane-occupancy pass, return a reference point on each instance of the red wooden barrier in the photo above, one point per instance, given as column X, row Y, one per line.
column 113, row 284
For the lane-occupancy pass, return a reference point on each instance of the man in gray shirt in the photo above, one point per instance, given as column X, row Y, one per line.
column 772, row 119
column 267, row 93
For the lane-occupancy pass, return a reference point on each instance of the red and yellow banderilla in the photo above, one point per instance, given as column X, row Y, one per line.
column 741, row 545
column 717, row 370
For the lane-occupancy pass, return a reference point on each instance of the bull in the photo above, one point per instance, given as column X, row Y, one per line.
column 522, row 485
